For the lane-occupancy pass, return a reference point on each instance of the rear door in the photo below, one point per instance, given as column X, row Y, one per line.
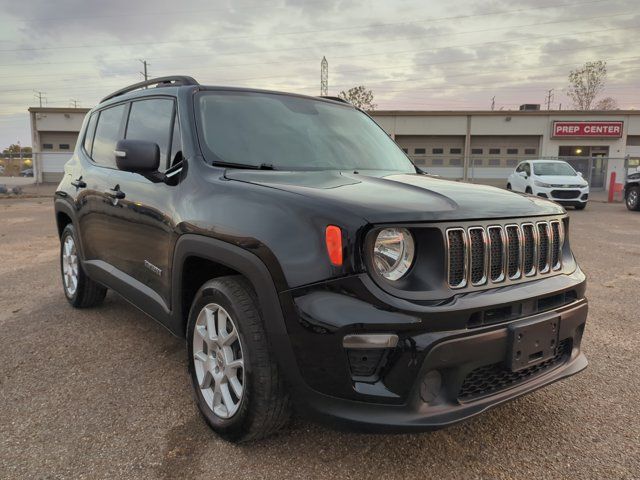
column 143, row 235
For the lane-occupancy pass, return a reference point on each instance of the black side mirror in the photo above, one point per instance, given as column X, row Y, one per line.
column 137, row 156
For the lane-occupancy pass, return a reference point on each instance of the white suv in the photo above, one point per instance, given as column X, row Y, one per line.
column 552, row 179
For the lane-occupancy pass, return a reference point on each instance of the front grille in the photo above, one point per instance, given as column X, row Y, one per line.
column 493, row 378
column 480, row 255
column 565, row 194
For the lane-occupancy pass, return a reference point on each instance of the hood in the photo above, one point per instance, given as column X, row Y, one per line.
column 383, row 197
column 562, row 179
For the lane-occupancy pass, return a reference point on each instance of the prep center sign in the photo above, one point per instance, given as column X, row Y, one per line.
column 587, row 129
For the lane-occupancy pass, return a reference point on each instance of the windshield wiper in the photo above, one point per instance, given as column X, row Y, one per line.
column 262, row 166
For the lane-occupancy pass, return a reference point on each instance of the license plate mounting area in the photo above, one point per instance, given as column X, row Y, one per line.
column 532, row 342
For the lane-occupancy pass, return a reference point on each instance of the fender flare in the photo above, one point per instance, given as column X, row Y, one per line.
column 256, row 272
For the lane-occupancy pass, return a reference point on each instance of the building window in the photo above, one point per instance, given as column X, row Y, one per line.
column 63, row 146
column 455, row 151
column 47, row 146
column 494, row 162
column 420, row 151
column 529, row 151
column 405, row 150
column 437, row 161
column 437, row 151
column 512, row 162
column 494, row 151
column 477, row 162
column 512, row 151
column 455, row 162
column 476, row 151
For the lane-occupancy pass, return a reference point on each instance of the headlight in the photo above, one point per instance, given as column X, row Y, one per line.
column 541, row 184
column 393, row 253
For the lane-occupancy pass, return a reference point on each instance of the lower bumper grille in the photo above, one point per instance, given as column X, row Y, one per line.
column 493, row 378
column 565, row 194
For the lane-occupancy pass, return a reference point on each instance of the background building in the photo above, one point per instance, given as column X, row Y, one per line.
column 54, row 132
column 485, row 146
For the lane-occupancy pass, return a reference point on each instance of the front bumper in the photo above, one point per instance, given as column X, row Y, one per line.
column 405, row 393
column 564, row 196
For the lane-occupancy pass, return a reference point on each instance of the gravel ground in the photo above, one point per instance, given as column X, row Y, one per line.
column 104, row 393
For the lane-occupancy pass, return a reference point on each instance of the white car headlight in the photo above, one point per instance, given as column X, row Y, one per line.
column 393, row 253
column 538, row 183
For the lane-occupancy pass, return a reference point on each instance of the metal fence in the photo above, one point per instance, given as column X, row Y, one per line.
column 494, row 170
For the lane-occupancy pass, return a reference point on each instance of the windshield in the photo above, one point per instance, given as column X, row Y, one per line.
column 292, row 133
column 553, row 168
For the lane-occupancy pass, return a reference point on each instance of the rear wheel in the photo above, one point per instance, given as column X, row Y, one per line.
column 633, row 198
column 508, row 186
column 79, row 289
column 528, row 190
column 237, row 383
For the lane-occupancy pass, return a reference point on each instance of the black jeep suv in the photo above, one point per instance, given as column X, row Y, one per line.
column 309, row 264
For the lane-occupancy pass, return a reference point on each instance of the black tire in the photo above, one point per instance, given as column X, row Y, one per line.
column 508, row 186
column 87, row 293
column 529, row 191
column 264, row 407
column 581, row 206
column 632, row 199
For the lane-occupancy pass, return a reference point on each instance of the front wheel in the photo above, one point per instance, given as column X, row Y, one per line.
column 633, row 198
column 237, row 383
column 529, row 191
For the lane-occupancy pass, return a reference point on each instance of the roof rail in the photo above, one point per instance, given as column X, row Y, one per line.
column 335, row 99
column 170, row 81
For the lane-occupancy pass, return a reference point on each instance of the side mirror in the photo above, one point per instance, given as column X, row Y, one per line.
column 523, row 174
column 138, row 156
column 580, row 174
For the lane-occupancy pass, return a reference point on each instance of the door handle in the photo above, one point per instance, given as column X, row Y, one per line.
column 116, row 193
column 79, row 183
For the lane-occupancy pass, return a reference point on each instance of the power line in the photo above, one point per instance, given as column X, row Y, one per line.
column 144, row 74
column 549, row 98
column 40, row 95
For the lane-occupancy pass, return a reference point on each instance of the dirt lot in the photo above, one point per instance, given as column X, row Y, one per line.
column 104, row 393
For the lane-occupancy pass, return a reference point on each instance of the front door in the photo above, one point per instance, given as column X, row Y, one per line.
column 143, row 232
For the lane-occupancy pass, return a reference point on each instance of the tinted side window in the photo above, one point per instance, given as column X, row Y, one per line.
column 91, row 129
column 520, row 168
column 108, row 132
column 151, row 120
column 527, row 168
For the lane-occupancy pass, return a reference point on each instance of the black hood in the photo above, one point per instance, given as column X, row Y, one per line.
column 383, row 197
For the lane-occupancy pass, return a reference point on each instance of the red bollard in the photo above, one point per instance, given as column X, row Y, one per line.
column 612, row 184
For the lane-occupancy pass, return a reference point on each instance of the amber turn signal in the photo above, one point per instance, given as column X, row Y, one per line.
column 333, row 238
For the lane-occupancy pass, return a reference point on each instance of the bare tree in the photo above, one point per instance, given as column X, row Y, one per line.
column 586, row 83
column 359, row 97
column 607, row 103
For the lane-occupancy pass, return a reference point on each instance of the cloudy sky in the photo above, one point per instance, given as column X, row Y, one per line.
column 420, row 54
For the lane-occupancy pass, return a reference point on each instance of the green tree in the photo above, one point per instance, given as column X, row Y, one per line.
column 359, row 97
column 586, row 82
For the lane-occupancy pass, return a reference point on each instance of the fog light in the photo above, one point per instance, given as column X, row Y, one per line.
column 430, row 386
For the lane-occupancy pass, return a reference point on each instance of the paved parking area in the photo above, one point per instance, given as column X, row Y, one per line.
column 104, row 393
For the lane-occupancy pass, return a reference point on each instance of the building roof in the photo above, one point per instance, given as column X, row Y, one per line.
column 58, row 110
column 510, row 113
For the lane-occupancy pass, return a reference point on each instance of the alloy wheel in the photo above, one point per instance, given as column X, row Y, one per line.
column 70, row 265
column 632, row 199
column 218, row 360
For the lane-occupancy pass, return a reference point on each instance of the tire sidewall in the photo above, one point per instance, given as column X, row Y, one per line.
column 226, row 426
column 637, row 203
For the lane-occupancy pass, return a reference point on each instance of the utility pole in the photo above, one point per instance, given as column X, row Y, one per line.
column 74, row 102
column 324, row 77
column 144, row 73
column 493, row 103
column 39, row 95
column 549, row 98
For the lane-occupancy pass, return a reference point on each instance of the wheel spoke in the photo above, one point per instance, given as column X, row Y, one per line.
column 206, row 381
column 226, row 397
column 229, row 338
column 236, row 386
column 211, row 324
column 200, row 356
